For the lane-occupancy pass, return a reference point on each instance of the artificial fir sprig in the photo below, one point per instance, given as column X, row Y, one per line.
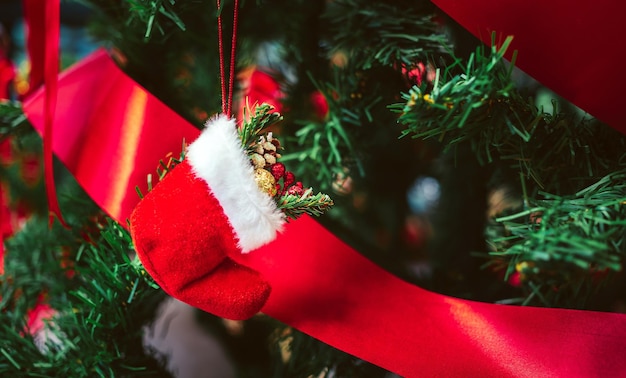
column 153, row 12
column 372, row 48
column 100, row 309
column 482, row 107
column 465, row 106
column 376, row 33
column 563, row 259
column 254, row 123
column 12, row 120
column 331, row 140
column 101, row 297
column 558, row 243
column 308, row 203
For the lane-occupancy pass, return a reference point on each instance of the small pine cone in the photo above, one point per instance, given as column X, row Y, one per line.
column 259, row 149
column 257, row 161
column 269, row 159
column 269, row 146
column 276, row 143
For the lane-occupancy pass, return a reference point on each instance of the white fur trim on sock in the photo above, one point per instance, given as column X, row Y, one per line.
column 218, row 158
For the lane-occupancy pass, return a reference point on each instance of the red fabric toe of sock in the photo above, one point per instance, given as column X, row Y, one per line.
column 231, row 291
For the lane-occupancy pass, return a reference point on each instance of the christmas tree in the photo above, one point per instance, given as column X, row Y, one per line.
column 463, row 179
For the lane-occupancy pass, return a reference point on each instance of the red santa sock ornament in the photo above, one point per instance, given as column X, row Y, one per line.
column 209, row 207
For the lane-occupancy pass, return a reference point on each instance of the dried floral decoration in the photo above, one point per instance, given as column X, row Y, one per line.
column 271, row 176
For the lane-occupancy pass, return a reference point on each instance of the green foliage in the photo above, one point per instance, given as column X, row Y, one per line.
column 468, row 106
column 169, row 47
column 475, row 103
column 381, row 43
column 101, row 295
column 308, row 203
column 561, row 244
column 253, row 124
column 12, row 120
column 482, row 107
column 325, row 148
column 152, row 13
column 101, row 307
column 374, row 33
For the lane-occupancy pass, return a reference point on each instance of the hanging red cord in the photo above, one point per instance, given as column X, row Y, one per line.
column 220, row 46
column 43, row 24
column 227, row 97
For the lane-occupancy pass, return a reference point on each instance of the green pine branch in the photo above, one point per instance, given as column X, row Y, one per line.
column 567, row 242
column 101, row 312
column 312, row 204
column 324, row 149
column 469, row 106
column 102, row 297
column 12, row 120
column 153, row 13
column 253, row 124
column 482, row 107
column 374, row 33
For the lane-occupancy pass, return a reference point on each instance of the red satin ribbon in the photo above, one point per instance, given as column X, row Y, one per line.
column 110, row 134
column 3, row 213
column 574, row 48
column 43, row 23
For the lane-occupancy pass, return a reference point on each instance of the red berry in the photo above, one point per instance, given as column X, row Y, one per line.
column 295, row 189
column 278, row 170
column 289, row 178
